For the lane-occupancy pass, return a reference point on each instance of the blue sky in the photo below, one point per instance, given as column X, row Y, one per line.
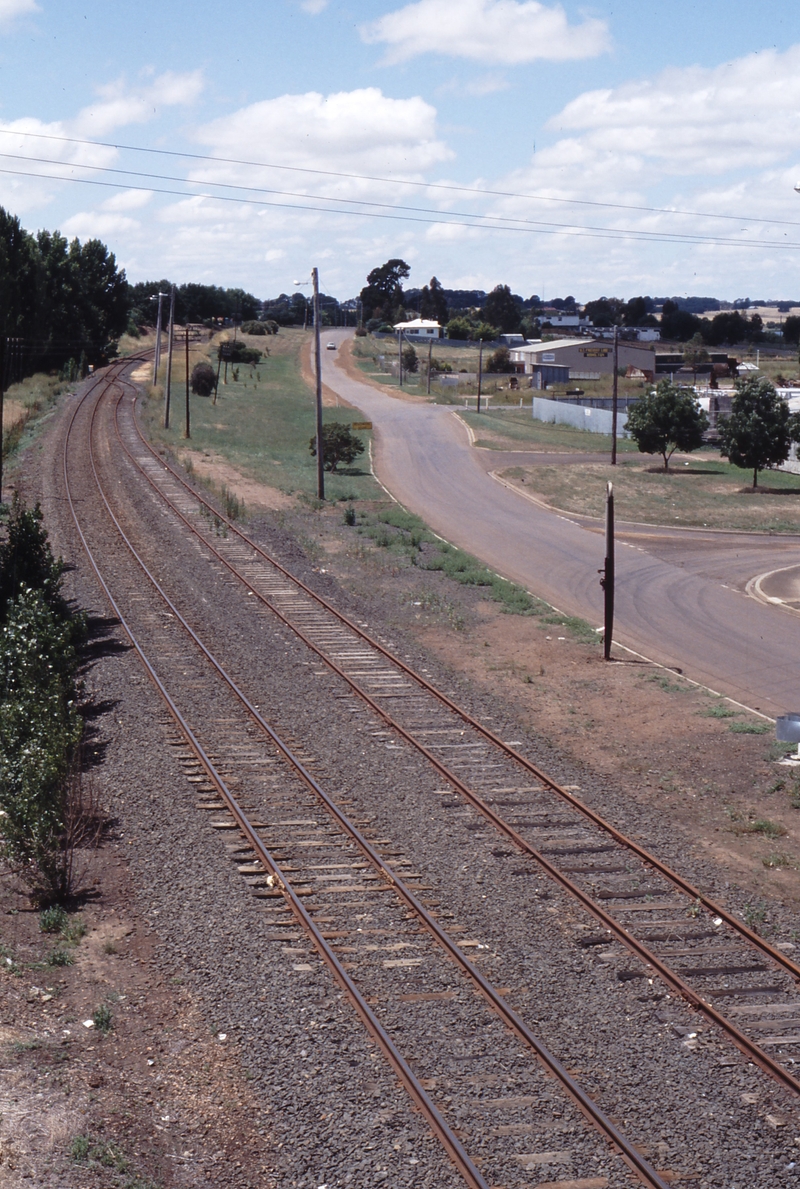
column 552, row 107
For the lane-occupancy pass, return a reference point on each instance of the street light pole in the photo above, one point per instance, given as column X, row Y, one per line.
column 320, row 459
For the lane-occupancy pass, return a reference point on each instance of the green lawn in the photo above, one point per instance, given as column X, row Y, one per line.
column 263, row 421
column 516, row 429
column 706, row 493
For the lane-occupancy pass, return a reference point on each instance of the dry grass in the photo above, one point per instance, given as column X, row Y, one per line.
column 706, row 493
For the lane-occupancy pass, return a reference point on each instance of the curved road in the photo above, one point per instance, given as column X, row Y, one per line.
column 679, row 614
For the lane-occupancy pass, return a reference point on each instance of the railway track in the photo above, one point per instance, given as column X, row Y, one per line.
column 260, row 795
column 746, row 987
column 326, row 879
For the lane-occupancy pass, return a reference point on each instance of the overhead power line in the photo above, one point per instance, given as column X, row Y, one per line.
column 446, row 186
column 433, row 218
column 507, row 222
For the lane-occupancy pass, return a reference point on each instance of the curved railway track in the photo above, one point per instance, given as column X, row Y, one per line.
column 227, row 784
column 637, row 899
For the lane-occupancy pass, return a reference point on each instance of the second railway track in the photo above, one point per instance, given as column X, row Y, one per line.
column 238, row 769
column 638, row 899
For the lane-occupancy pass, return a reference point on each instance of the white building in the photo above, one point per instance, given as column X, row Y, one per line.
column 567, row 321
column 420, row 328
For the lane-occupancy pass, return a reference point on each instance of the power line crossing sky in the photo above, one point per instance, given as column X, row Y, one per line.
column 628, row 148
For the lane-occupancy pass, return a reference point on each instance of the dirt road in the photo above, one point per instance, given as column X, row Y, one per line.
column 677, row 604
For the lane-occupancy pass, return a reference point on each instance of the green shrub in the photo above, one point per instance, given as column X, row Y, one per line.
column 27, row 562
column 103, row 1019
column 339, row 445
column 204, row 378
column 40, row 730
column 59, row 957
column 260, row 328
column 53, row 919
column 238, row 352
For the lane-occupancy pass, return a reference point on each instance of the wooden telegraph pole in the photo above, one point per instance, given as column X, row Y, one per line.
column 186, row 432
column 320, row 459
column 430, row 352
column 607, row 581
column 614, row 403
column 3, row 349
column 169, row 356
column 480, row 374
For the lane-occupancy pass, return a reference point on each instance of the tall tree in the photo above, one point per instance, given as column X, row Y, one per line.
column 667, row 420
column 677, row 324
column 606, row 311
column 502, row 310
column 433, row 303
column 760, row 429
column 21, row 277
column 383, row 292
column 695, row 352
column 791, row 330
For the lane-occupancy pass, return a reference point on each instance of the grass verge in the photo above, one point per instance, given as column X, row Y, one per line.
column 515, row 429
column 393, row 528
column 24, row 404
column 262, row 421
column 705, row 493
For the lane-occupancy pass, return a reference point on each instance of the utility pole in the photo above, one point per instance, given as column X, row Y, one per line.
column 3, row 349
column 430, row 352
column 607, row 580
column 400, row 356
column 216, row 382
column 480, row 373
column 157, row 356
column 320, row 459
column 186, row 433
column 614, row 406
column 169, row 356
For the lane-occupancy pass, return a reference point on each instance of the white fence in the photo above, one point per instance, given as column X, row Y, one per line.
column 579, row 416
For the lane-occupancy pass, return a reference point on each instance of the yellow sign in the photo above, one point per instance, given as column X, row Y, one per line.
column 362, row 425
column 594, row 352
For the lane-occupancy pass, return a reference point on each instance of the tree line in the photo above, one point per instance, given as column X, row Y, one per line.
column 65, row 299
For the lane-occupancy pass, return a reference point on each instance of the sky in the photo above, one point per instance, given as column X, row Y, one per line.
column 620, row 147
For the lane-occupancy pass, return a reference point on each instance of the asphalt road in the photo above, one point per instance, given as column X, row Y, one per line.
column 680, row 596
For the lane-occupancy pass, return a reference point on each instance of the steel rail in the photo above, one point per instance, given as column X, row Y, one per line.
column 593, row 1113
column 689, row 889
column 405, row 1074
column 747, row 1046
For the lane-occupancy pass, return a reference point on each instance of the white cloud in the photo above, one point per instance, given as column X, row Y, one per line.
column 360, row 132
column 699, row 119
column 98, row 225
column 118, row 105
column 15, row 8
column 716, row 139
column 128, row 200
column 508, row 32
column 313, row 7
